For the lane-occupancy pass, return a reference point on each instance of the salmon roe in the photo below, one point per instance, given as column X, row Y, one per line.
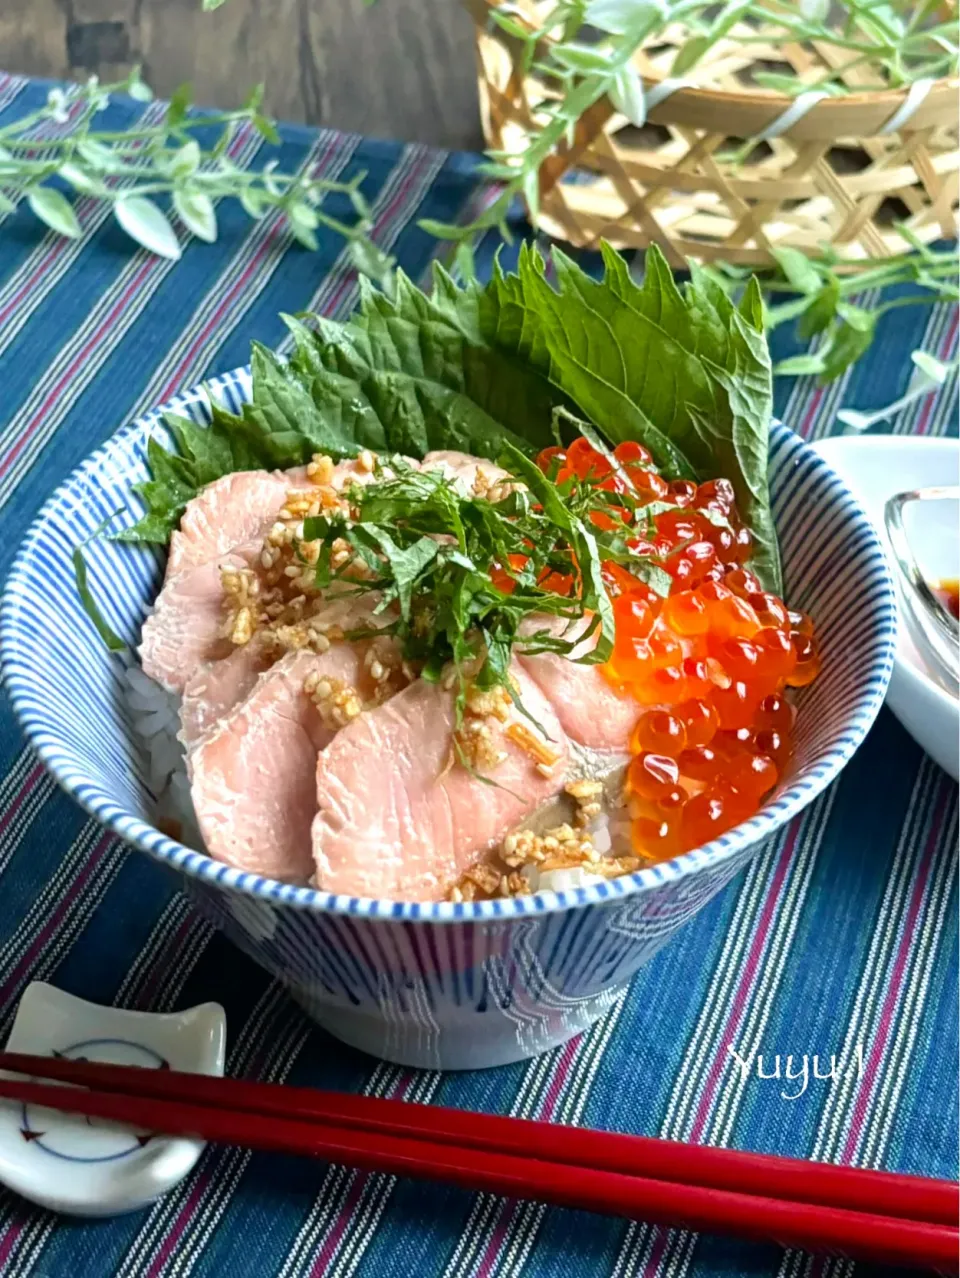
column 710, row 664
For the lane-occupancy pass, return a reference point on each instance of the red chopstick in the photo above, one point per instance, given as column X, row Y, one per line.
column 883, row 1193
column 276, row 1125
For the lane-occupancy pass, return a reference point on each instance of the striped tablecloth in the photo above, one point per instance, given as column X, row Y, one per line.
column 840, row 941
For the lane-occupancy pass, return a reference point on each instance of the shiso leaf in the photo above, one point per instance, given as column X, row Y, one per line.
column 480, row 367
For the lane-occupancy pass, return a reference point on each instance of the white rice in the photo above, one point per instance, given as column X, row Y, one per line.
column 610, row 833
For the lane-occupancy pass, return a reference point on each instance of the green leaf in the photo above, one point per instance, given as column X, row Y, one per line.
column 930, row 366
column 582, row 57
column 251, row 441
column 6, row 204
column 98, row 156
column 689, row 54
column 821, row 311
column 78, row 178
column 416, row 373
column 370, row 260
column 90, row 606
column 484, row 368
column 210, row 5
column 55, row 210
column 252, row 201
column 465, row 263
column 179, row 105
column 531, row 193
column 303, row 235
column 797, row 268
column 627, row 96
column 136, row 88
column 579, row 335
column 440, row 230
column 195, row 210
column 621, row 17
column 146, row 223
column 405, row 565
column 594, row 592
column 798, row 365
column 509, row 25
column 266, row 128
column 302, row 215
column 686, row 373
column 863, row 321
column 184, row 161
column 846, row 346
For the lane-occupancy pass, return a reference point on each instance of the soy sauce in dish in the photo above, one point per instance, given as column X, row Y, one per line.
column 948, row 592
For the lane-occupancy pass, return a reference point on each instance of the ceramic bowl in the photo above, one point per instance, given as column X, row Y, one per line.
column 876, row 467
column 449, row 985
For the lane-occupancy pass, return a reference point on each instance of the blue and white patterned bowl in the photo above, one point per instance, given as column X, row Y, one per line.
column 435, row 985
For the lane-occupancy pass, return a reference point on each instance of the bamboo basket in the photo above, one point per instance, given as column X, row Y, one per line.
column 841, row 175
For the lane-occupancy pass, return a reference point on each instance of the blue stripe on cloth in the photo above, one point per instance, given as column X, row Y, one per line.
column 845, row 928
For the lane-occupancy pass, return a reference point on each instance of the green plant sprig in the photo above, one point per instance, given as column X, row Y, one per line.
column 129, row 168
column 822, row 304
column 901, row 47
column 585, row 73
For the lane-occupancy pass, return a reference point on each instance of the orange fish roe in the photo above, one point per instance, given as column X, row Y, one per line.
column 710, row 663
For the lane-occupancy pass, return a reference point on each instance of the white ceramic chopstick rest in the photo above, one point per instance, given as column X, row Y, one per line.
column 84, row 1166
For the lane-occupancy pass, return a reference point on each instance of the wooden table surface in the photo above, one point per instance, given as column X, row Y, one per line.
column 401, row 68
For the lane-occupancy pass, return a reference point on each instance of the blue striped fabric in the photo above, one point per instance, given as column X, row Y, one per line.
column 841, row 939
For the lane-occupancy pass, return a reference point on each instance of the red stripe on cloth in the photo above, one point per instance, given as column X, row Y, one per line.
column 17, row 802
column 386, row 215
column 9, row 1241
column 905, row 946
column 163, row 962
column 810, row 415
column 933, row 400
column 150, row 265
column 554, row 1092
column 53, row 922
column 506, row 1217
column 492, row 1249
column 56, row 249
column 558, row 1079
column 172, row 385
column 745, row 984
column 399, row 1091
column 657, row 1251
column 165, row 1249
column 336, row 1232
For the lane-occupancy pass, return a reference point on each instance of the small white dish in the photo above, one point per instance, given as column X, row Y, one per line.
column 875, row 468
column 84, row 1166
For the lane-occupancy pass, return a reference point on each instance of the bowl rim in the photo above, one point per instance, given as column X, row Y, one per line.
column 199, row 866
column 947, row 444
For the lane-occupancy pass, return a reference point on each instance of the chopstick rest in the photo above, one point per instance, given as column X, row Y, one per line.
column 89, row 1167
